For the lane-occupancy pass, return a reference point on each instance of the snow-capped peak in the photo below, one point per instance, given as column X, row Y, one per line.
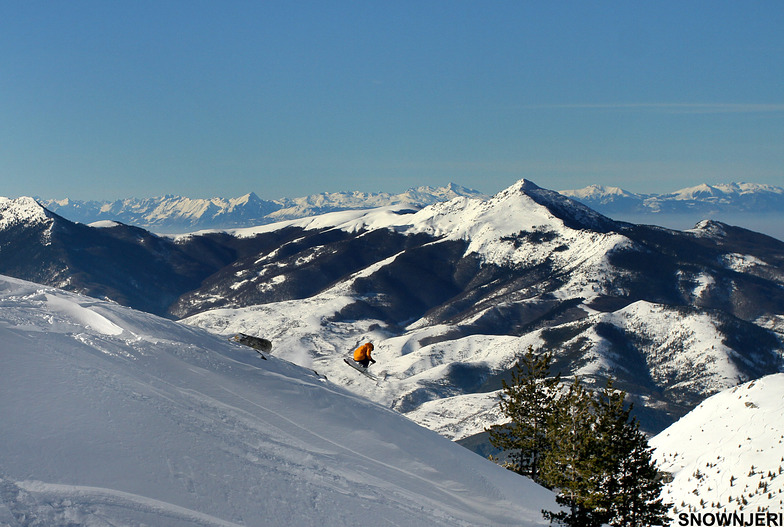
column 594, row 191
column 572, row 213
column 723, row 191
column 251, row 197
column 21, row 210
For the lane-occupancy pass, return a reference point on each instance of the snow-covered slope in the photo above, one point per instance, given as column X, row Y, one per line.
column 451, row 384
column 115, row 417
column 22, row 210
column 728, row 453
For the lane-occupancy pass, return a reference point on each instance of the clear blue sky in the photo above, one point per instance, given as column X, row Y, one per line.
column 107, row 99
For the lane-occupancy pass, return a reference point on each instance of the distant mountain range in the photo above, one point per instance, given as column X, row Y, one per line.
column 756, row 207
column 177, row 214
column 745, row 204
column 704, row 199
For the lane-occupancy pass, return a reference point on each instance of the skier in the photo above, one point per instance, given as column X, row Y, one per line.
column 362, row 354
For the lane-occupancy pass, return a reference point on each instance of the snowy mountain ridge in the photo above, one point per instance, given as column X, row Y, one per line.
column 726, row 197
column 116, row 417
column 489, row 225
column 177, row 214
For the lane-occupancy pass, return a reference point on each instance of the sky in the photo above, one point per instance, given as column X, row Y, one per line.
column 106, row 100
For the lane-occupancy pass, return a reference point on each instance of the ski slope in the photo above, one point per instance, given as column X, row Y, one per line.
column 112, row 417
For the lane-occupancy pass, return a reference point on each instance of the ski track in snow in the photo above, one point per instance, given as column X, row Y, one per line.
column 69, row 503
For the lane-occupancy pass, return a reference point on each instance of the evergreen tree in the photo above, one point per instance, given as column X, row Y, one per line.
column 528, row 400
column 569, row 468
column 601, row 464
column 585, row 446
column 629, row 483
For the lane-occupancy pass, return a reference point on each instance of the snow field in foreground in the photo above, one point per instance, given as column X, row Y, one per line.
column 115, row 417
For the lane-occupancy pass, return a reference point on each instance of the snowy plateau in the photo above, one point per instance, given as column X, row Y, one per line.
column 451, row 294
column 113, row 417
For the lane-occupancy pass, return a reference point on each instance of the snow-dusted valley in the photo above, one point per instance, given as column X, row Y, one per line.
column 451, row 293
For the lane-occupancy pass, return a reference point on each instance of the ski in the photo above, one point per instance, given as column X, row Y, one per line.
column 360, row 369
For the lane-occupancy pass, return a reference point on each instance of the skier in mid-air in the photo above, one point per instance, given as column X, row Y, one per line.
column 362, row 355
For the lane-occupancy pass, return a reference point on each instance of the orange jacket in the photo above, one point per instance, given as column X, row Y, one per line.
column 363, row 352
